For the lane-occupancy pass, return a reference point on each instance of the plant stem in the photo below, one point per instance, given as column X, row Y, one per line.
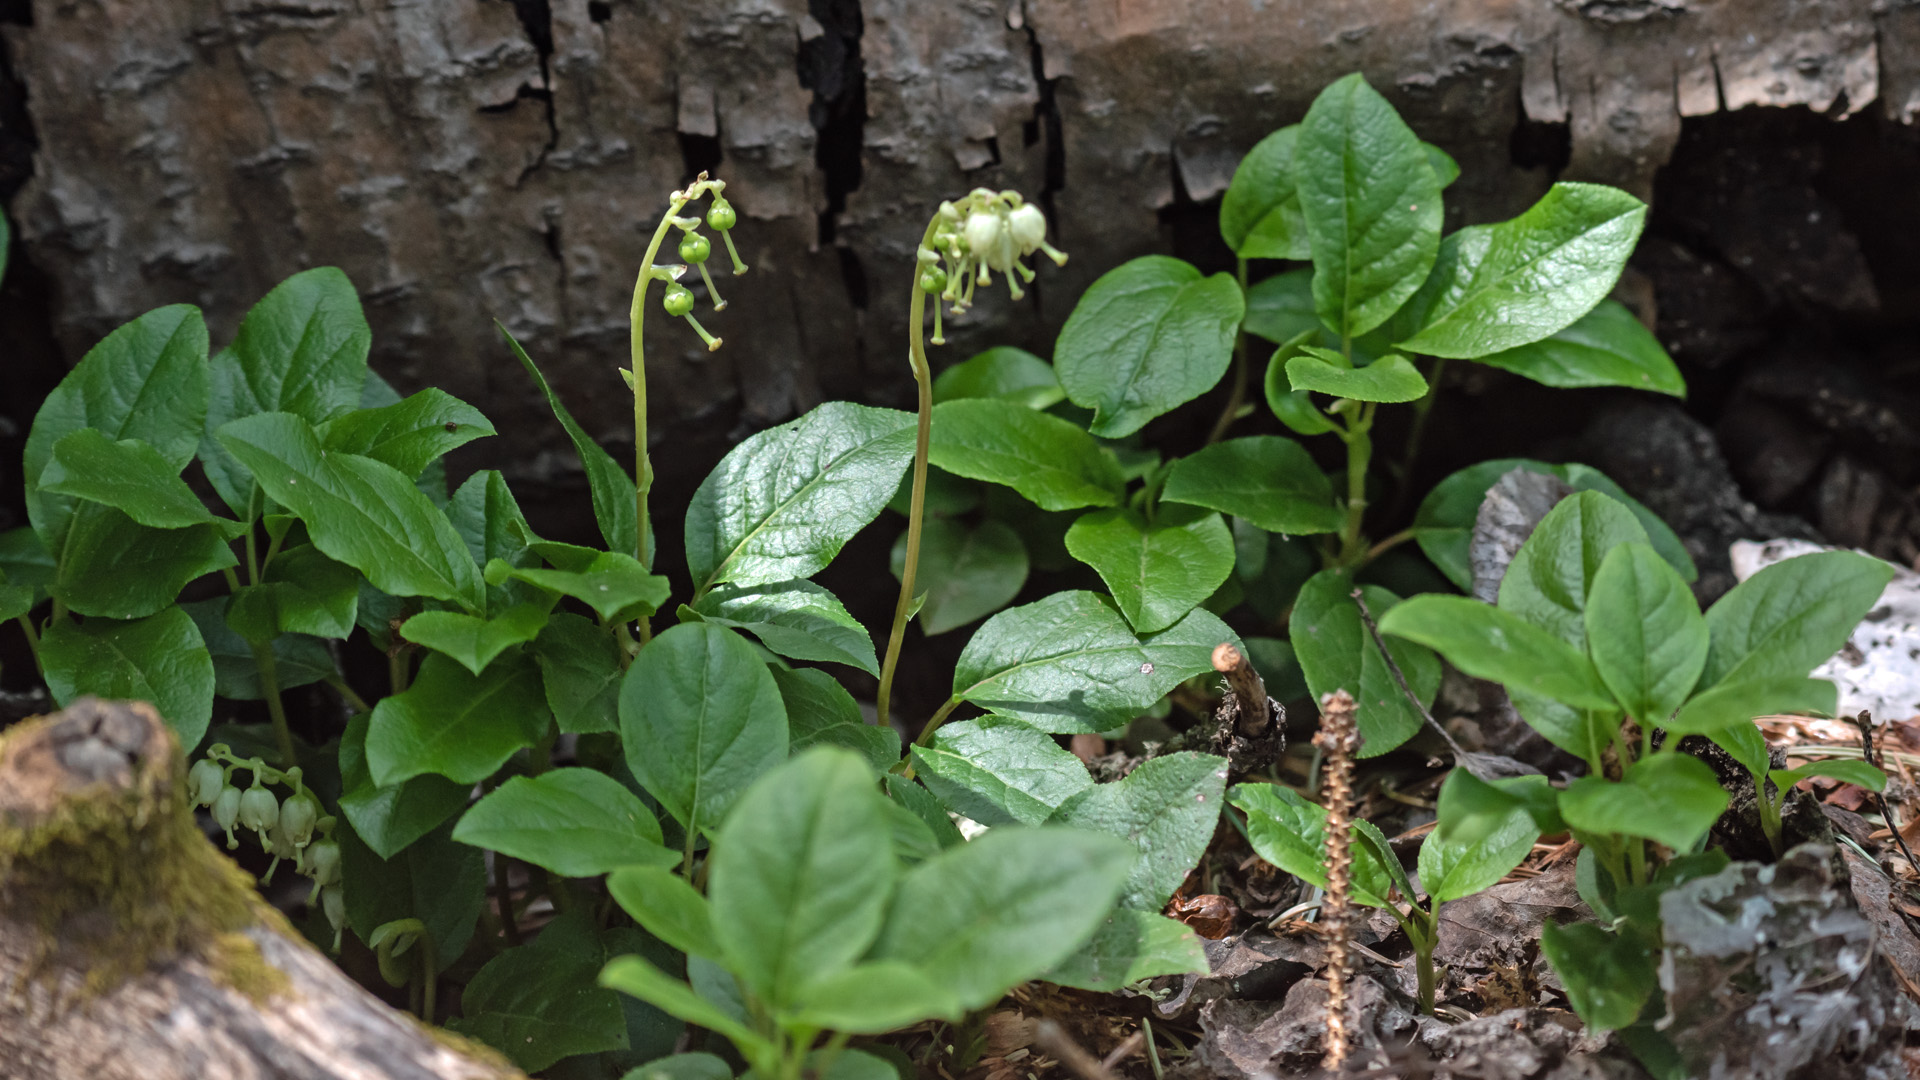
column 1769, row 814
column 1423, row 971
column 933, row 724
column 1240, row 380
column 917, row 502
column 1415, row 431
column 270, row 688
column 33, row 643
column 354, row 701
column 1359, row 439
column 397, row 670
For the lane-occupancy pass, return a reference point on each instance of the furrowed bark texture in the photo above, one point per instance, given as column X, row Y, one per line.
column 465, row 160
column 130, row 949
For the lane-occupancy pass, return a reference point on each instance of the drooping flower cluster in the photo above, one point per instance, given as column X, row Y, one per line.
column 695, row 249
column 986, row 232
column 296, row 828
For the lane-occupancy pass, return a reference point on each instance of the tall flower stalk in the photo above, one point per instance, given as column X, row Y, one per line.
column 961, row 249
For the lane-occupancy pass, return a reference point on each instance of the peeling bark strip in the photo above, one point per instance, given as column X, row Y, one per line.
column 477, row 158
column 1339, row 739
column 132, row 950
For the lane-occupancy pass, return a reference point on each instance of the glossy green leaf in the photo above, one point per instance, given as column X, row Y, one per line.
column 359, row 511
column 1392, row 378
column 1858, row 773
column 1167, row 807
column 965, row 573
column 1001, row 372
column 1607, row 346
column 574, row 822
column 24, row 559
column 1156, row 570
column 801, row 874
column 1129, row 946
column 1748, row 746
column 1260, row 215
column 921, row 803
column 781, row 504
column 820, row 712
column 128, row 475
column 112, row 566
column 634, row 975
column 1497, row 287
column 298, row 659
column 998, row 771
column 1670, row 797
column 1551, row 576
column 471, row 640
column 542, row 1001
column 1049, row 460
column 1146, row 336
column 1456, row 862
column 1070, row 663
column 614, row 505
column 1489, row 643
column 159, row 659
column 1608, row 977
column 872, row 998
column 668, row 906
column 1271, row 568
column 1791, row 616
column 1336, row 652
column 1294, row 408
column 701, row 718
column 15, row 600
column 1371, row 203
column 1290, row 832
column 387, row 819
column 796, row 619
column 1264, row 479
column 1280, row 308
column 1645, row 632
column 1004, row 908
column 454, row 723
column 485, row 514
column 410, row 434
column 434, row 880
column 1735, row 701
column 147, row 380
column 614, row 584
column 311, row 593
column 1445, row 169
column 580, row 670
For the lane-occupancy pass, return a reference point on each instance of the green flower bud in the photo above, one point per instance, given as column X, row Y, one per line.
column 298, row 815
column 226, row 812
column 721, row 216
column 334, row 904
column 204, row 781
column 259, row 811
column 695, row 248
column 678, row 300
column 323, row 862
column 933, row 280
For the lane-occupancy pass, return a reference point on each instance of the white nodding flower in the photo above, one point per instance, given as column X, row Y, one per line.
column 1029, row 227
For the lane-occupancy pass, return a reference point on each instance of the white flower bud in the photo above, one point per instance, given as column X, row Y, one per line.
column 259, row 810
column 297, row 817
column 1029, row 228
column 204, row 782
column 323, row 862
column 986, row 234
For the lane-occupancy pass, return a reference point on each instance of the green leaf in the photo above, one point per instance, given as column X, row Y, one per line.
column 1260, row 216
column 1645, row 632
column 359, row 511
column 801, row 874
column 1734, row 701
column 689, row 1066
column 488, row 518
column 147, row 380
column 542, row 1001
column 1392, row 378
column 1445, row 169
column 1159, row 570
column 1148, row 335
column 580, row 669
column 471, row 640
column 872, row 998
column 434, row 880
column 159, row 659
column 311, row 593
column 1497, row 287
column 112, row 566
column 796, row 619
column 1002, row 372
column 130, row 476
column 24, row 559
column 614, row 584
column 614, row 505
column 1290, row 832
column 701, row 718
column 1005, row 908
column 574, row 822
column 965, row 573
column 15, row 600
column 1371, row 203
column 298, row 659
column 1337, row 653
column 387, row 819
column 1070, row 663
column 410, row 434
column 1748, row 746
column 1607, row 346
column 1608, row 977
column 1295, row 408
column 921, row 803
column 998, row 771
column 1462, row 856
column 1858, row 773
column 1129, row 946
column 781, row 504
column 1280, row 308
column 634, row 975
column 454, row 723
column 1049, row 460
column 668, row 906
column 1264, row 479
column 1670, row 797
column 1791, row 616
column 1167, row 807
column 821, row 712
column 1271, row 569
column 1488, row 643
column 1551, row 576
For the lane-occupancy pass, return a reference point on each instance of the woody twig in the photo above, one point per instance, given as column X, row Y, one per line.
column 1339, row 740
column 1247, row 686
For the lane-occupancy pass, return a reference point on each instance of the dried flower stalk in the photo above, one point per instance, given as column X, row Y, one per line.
column 1339, row 740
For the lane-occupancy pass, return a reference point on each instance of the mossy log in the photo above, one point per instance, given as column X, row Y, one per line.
column 131, row 948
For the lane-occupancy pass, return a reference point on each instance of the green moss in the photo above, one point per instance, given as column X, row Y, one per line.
column 237, row 963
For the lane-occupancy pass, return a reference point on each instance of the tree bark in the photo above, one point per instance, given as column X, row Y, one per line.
column 133, row 950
